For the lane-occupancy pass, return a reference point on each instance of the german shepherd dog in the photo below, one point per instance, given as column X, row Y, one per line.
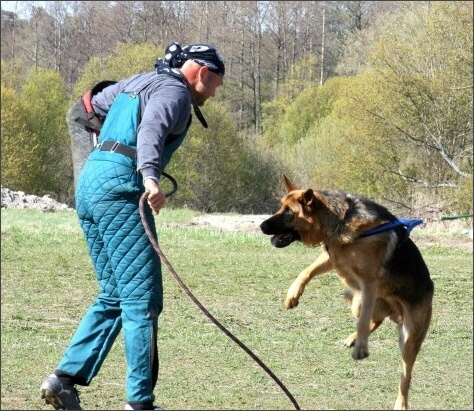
column 384, row 273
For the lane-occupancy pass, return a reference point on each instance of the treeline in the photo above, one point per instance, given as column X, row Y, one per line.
column 370, row 97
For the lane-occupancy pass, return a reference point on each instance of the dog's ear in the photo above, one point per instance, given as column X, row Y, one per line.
column 288, row 184
column 310, row 202
column 308, row 197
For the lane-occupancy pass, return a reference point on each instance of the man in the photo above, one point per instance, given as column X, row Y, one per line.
column 147, row 122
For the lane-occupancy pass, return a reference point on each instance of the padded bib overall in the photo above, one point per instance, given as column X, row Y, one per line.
column 127, row 268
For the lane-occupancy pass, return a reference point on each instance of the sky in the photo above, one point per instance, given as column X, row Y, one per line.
column 20, row 5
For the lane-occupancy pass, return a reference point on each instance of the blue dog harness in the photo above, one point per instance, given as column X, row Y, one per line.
column 405, row 222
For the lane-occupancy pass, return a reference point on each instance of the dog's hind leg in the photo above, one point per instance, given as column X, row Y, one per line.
column 381, row 311
column 411, row 335
column 367, row 305
column 350, row 341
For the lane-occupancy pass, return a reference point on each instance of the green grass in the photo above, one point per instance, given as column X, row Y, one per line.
column 48, row 283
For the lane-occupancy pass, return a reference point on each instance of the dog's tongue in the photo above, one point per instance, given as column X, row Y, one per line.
column 282, row 240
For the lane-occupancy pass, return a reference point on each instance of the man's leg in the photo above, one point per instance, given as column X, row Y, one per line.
column 137, row 270
column 92, row 340
column 94, row 336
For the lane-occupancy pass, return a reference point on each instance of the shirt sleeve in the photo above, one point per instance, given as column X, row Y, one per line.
column 166, row 113
column 103, row 100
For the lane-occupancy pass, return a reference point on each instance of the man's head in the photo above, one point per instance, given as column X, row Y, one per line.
column 201, row 64
column 203, row 54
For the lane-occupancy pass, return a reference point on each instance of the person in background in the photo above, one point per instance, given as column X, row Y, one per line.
column 146, row 117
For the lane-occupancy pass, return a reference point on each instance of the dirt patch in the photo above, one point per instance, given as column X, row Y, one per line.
column 237, row 223
column 461, row 241
column 240, row 223
column 251, row 224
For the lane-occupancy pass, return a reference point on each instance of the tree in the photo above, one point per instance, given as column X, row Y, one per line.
column 124, row 61
column 405, row 110
column 35, row 141
column 288, row 118
column 323, row 145
column 402, row 131
column 219, row 171
column 421, row 89
column 19, row 147
column 44, row 102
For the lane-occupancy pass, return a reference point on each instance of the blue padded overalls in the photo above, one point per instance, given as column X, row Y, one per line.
column 127, row 268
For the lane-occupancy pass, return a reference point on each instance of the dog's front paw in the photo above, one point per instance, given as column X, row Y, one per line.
column 293, row 296
column 360, row 352
column 291, row 302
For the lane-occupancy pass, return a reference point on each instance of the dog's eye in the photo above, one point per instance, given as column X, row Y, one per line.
column 288, row 212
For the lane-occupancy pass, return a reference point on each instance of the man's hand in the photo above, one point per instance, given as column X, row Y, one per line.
column 156, row 196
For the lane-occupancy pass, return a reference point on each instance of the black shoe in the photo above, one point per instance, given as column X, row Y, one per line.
column 153, row 407
column 60, row 394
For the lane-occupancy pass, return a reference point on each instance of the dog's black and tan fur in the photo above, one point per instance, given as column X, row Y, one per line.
column 385, row 273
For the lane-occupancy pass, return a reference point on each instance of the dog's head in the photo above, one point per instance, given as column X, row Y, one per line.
column 299, row 218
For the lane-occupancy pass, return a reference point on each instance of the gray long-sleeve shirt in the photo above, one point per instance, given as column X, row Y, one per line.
column 165, row 112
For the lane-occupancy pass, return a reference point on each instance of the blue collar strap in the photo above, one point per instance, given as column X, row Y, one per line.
column 405, row 222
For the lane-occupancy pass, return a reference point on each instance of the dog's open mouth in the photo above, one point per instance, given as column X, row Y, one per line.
column 282, row 240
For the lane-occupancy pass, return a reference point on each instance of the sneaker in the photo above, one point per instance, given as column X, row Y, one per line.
column 61, row 395
column 129, row 407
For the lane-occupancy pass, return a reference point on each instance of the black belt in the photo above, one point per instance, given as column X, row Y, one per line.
column 116, row 147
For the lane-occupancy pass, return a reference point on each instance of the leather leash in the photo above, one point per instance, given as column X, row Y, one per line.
column 202, row 308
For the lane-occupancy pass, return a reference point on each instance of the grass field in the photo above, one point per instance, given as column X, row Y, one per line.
column 47, row 284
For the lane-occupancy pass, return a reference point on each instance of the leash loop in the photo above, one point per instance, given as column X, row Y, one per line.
column 173, row 181
column 202, row 308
